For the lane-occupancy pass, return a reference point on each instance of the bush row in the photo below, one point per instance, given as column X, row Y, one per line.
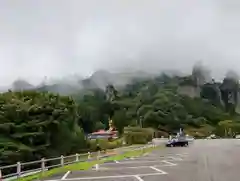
column 136, row 135
column 105, row 144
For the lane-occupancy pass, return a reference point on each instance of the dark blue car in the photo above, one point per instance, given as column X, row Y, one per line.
column 177, row 142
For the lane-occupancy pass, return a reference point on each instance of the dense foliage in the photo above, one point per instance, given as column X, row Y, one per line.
column 160, row 103
column 36, row 124
column 135, row 135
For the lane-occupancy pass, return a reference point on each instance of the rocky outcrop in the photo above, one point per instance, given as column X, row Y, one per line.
column 188, row 90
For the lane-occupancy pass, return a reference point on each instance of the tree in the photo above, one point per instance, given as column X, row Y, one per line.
column 33, row 125
column 211, row 92
column 228, row 128
column 120, row 120
column 94, row 110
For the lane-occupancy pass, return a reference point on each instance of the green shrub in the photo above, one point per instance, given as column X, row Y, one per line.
column 105, row 144
column 136, row 135
column 135, row 138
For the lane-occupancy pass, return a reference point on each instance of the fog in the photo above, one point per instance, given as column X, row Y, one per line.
column 57, row 38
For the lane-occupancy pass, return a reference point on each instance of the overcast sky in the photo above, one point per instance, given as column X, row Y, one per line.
column 60, row 37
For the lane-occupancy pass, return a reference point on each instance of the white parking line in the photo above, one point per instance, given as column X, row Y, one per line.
column 170, row 163
column 120, row 168
column 131, row 162
column 175, row 158
column 172, row 156
column 139, row 178
column 144, row 161
column 65, row 175
column 148, row 159
column 158, row 170
column 114, row 176
column 182, row 155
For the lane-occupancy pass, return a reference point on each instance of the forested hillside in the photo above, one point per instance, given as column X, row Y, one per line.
column 36, row 124
column 158, row 103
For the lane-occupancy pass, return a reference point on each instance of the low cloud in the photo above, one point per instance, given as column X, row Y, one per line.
column 58, row 38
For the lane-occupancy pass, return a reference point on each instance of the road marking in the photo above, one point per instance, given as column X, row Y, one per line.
column 183, row 155
column 65, row 175
column 132, row 162
column 116, row 161
column 139, row 162
column 170, row 163
column 138, row 167
column 175, row 158
column 147, row 161
column 114, row 176
column 139, row 178
column 143, row 160
column 119, row 168
column 158, row 170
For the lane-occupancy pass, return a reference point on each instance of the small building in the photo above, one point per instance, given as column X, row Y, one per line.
column 102, row 134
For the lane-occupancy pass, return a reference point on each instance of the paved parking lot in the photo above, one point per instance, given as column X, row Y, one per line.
column 151, row 164
column 204, row 160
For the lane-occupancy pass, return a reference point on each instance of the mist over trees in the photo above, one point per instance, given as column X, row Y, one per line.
column 34, row 122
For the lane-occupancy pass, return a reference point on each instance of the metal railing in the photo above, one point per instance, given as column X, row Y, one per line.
column 19, row 169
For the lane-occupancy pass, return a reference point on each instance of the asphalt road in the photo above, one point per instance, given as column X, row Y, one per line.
column 204, row 160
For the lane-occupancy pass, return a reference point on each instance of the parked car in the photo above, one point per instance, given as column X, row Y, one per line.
column 212, row 136
column 176, row 142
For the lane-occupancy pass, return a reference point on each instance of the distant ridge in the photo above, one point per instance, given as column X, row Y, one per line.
column 74, row 83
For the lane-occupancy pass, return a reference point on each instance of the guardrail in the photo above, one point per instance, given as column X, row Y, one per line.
column 19, row 169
